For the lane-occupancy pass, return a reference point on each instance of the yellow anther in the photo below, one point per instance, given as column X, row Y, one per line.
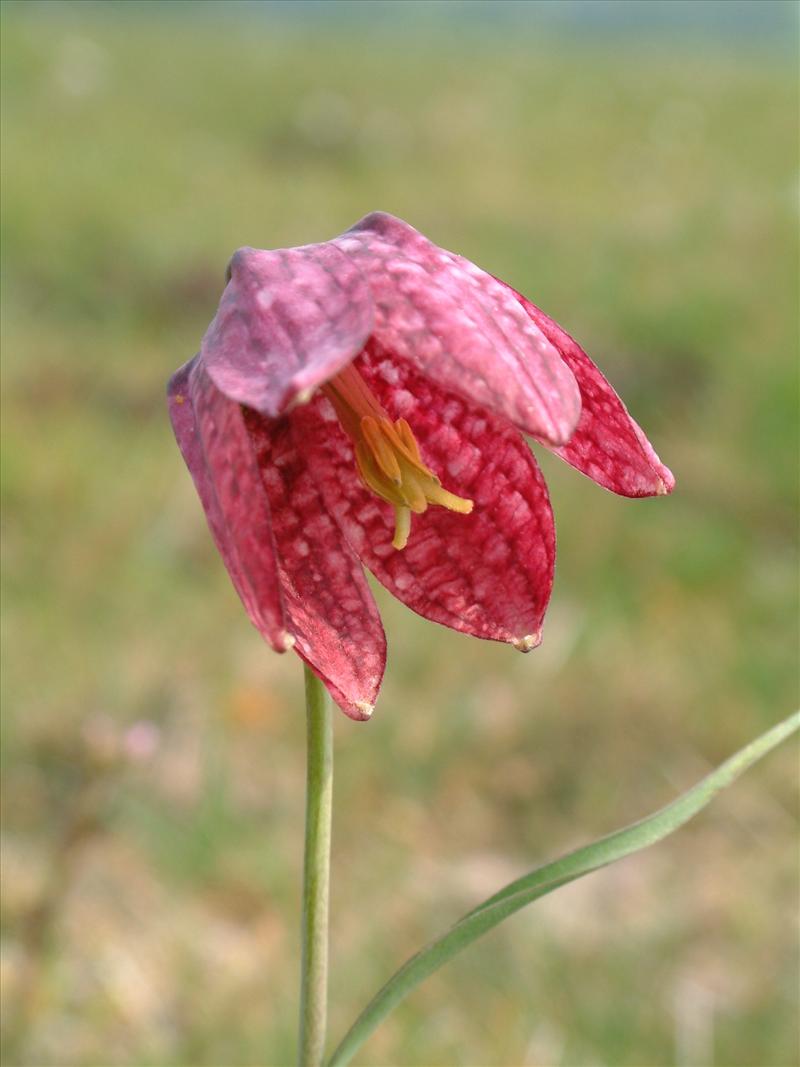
column 373, row 478
column 381, row 448
column 407, row 437
column 387, row 454
column 413, row 489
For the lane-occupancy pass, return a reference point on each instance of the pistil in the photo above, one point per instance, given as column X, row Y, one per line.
column 387, row 454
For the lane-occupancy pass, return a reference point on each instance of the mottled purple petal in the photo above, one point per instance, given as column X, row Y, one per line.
column 331, row 611
column 216, row 447
column 607, row 444
column 288, row 320
column 490, row 573
column 462, row 328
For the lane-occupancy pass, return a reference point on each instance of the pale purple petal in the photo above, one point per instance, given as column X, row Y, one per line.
column 462, row 328
column 607, row 444
column 216, row 447
column 331, row 612
column 288, row 320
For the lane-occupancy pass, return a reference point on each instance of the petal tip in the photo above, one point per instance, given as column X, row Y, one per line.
column 286, row 641
column 365, row 709
column 528, row 642
column 380, row 222
column 666, row 482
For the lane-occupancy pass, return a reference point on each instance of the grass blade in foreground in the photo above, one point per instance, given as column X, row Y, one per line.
column 549, row 877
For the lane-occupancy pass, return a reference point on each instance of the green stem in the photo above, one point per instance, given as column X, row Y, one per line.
column 316, row 874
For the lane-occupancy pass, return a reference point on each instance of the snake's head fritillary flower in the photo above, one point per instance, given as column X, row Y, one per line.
column 363, row 402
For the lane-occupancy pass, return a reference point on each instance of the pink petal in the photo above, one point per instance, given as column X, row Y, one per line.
column 462, row 328
column 490, row 573
column 216, row 447
column 607, row 444
column 288, row 320
column 331, row 611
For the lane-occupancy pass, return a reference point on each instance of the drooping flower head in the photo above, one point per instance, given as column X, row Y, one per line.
column 363, row 402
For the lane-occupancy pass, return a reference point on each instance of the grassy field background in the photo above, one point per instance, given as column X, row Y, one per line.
column 640, row 188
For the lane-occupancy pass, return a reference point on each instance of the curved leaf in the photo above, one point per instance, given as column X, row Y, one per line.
column 549, row 877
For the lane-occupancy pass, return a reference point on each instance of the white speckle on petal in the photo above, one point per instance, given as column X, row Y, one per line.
column 389, row 372
column 326, row 411
column 403, row 401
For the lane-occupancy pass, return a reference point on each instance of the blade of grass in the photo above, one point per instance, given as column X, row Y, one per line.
column 545, row 879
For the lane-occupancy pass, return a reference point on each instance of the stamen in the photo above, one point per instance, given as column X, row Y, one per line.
column 437, row 495
column 381, row 449
column 402, row 527
column 387, row 454
column 408, row 438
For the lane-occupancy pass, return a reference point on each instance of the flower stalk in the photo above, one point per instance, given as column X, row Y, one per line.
column 316, row 874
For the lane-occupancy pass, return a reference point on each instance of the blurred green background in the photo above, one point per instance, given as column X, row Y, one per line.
column 629, row 167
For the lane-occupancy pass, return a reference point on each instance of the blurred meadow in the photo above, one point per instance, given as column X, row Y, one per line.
column 636, row 181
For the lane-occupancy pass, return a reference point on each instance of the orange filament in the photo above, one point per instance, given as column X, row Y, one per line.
column 387, row 454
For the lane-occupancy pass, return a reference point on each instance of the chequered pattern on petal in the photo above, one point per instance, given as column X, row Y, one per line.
column 462, row 328
column 489, row 573
column 331, row 611
column 288, row 320
column 607, row 444
column 216, row 447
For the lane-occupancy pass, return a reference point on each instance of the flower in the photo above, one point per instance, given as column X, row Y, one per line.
column 363, row 401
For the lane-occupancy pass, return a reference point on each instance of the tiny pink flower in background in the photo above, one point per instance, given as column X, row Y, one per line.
column 363, row 401
column 141, row 741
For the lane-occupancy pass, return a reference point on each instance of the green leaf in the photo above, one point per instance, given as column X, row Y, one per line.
column 545, row 879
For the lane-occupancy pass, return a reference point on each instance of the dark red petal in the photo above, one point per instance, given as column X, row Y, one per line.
column 331, row 611
column 462, row 328
column 607, row 445
column 216, row 447
column 490, row 573
column 288, row 320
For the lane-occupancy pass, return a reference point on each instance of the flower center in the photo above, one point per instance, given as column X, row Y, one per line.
column 387, row 454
